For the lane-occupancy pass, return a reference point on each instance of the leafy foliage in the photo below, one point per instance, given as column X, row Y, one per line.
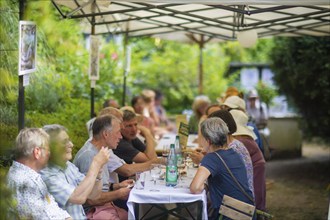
column 9, row 54
column 266, row 92
column 73, row 115
column 302, row 73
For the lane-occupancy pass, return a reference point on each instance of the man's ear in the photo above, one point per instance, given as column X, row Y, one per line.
column 37, row 152
column 104, row 133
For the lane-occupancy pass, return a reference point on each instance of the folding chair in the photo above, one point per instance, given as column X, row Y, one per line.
column 235, row 209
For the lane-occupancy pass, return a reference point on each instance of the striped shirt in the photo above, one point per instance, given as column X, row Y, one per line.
column 61, row 182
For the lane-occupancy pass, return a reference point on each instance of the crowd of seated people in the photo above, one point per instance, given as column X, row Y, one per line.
column 47, row 185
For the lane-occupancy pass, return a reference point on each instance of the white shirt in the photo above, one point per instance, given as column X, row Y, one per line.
column 33, row 199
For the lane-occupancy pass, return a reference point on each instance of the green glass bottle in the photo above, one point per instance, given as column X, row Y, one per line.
column 171, row 168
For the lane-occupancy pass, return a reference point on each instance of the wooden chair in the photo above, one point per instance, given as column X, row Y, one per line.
column 235, row 209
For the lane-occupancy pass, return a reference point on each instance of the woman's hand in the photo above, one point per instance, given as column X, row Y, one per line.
column 196, row 157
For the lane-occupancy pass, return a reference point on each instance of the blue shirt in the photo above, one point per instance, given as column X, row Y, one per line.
column 220, row 182
column 61, row 182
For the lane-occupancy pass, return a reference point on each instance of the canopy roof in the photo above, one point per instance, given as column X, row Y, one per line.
column 216, row 19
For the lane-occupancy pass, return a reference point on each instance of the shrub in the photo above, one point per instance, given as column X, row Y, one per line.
column 72, row 115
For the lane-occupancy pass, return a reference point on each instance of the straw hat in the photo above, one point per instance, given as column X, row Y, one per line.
column 241, row 120
column 231, row 91
column 131, row 109
column 235, row 102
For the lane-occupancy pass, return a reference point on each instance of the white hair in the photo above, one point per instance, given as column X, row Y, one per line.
column 28, row 139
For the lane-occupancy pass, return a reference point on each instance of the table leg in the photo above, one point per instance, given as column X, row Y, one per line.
column 199, row 210
column 136, row 210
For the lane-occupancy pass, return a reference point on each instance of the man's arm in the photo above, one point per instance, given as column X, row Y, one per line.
column 130, row 169
column 88, row 188
column 105, row 197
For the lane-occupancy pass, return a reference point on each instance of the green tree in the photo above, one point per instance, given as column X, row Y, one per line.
column 302, row 72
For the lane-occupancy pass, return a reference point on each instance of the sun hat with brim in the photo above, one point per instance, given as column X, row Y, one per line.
column 235, row 102
column 131, row 109
column 241, row 120
column 253, row 94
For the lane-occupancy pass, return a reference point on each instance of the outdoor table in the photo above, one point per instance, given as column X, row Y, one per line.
column 156, row 195
column 169, row 138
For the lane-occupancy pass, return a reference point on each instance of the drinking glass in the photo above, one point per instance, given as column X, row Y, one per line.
column 139, row 180
column 155, row 173
column 166, row 151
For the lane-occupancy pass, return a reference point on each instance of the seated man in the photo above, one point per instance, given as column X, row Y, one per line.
column 117, row 165
column 69, row 187
column 31, row 155
column 106, row 133
column 130, row 148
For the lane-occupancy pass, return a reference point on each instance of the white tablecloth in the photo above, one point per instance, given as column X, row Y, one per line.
column 162, row 194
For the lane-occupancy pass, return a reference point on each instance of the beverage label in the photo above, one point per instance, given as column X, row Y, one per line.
column 171, row 174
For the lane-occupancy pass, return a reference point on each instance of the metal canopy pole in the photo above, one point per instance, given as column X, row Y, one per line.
column 92, row 83
column 126, row 64
column 200, row 65
column 21, row 108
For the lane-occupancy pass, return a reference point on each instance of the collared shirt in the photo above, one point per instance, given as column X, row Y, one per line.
column 61, row 182
column 33, row 199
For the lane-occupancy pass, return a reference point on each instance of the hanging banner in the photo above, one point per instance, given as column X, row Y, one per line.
column 27, row 47
column 94, row 58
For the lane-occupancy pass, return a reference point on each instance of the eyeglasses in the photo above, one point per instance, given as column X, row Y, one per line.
column 66, row 142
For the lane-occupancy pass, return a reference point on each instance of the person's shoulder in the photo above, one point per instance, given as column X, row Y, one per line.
column 123, row 141
column 83, row 156
column 49, row 170
column 136, row 141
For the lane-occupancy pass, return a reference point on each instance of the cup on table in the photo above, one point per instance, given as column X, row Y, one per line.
column 155, row 172
column 139, row 180
column 166, row 150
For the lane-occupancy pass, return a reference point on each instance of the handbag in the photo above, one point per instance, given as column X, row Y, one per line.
column 260, row 214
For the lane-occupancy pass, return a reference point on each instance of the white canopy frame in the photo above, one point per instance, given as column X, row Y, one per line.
column 199, row 21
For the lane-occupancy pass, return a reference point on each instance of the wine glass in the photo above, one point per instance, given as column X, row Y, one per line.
column 155, row 173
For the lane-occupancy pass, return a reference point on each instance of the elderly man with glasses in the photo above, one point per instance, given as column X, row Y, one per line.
column 69, row 187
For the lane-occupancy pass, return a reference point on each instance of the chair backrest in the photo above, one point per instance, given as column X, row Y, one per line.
column 235, row 209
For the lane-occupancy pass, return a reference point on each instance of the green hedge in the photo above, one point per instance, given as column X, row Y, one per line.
column 72, row 115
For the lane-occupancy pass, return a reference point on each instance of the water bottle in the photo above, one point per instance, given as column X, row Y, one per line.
column 171, row 168
column 178, row 150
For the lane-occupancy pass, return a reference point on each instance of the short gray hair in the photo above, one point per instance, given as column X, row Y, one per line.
column 53, row 130
column 28, row 139
column 215, row 131
column 102, row 123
